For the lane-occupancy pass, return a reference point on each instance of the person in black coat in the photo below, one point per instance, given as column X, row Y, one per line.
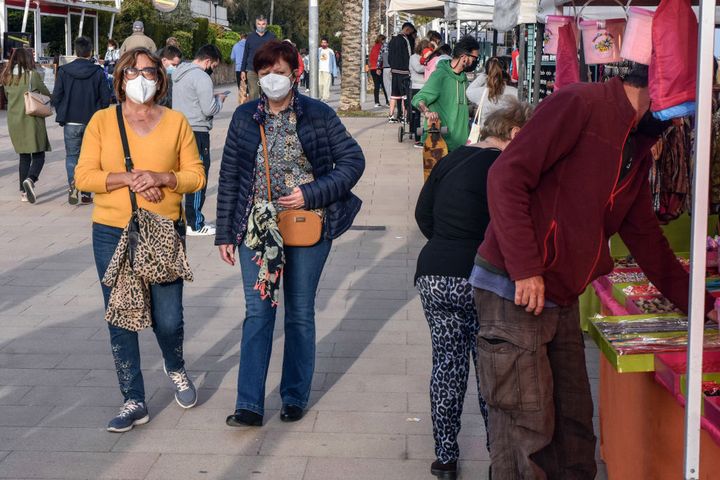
column 312, row 164
column 452, row 212
column 400, row 50
column 81, row 89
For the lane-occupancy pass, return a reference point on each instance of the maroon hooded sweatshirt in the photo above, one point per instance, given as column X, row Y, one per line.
column 556, row 197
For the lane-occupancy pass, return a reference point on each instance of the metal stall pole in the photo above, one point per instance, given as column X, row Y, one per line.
column 703, row 140
column 494, row 45
column 112, row 25
column 38, row 32
column 539, row 34
column 363, row 52
column 25, row 15
column 96, row 36
column 313, row 22
column 82, row 23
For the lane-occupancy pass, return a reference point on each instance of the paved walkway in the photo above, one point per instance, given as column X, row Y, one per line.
column 369, row 413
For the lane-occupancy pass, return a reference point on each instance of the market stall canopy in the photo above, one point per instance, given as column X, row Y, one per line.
column 600, row 9
column 427, row 8
column 509, row 13
column 469, row 10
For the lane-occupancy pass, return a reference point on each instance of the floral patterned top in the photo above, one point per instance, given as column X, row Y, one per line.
column 289, row 167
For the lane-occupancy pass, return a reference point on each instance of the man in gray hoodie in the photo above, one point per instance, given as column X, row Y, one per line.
column 193, row 96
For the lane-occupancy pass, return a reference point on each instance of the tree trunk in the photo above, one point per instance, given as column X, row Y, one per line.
column 350, row 83
column 377, row 9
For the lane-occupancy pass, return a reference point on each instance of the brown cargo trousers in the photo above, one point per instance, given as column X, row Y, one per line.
column 534, row 380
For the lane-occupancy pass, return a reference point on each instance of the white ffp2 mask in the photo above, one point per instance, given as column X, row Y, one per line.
column 140, row 89
column 275, row 86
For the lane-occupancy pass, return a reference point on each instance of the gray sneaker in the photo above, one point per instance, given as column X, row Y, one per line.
column 132, row 413
column 185, row 393
column 29, row 187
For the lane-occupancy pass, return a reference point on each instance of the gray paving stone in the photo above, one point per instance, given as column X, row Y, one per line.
column 91, row 396
column 227, row 467
column 351, row 382
column 22, row 416
column 21, row 360
column 383, row 469
column 230, row 442
column 34, row 376
column 57, row 439
column 358, row 402
column 12, row 395
column 333, row 445
column 77, row 465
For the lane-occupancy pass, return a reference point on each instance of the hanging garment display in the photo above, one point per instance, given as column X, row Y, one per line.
column 567, row 68
column 715, row 161
column 673, row 64
column 637, row 44
column 602, row 40
column 552, row 32
column 670, row 173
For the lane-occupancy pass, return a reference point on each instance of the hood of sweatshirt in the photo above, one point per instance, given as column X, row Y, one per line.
column 81, row 69
column 183, row 70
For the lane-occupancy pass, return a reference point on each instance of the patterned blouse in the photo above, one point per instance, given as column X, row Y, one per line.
column 289, row 167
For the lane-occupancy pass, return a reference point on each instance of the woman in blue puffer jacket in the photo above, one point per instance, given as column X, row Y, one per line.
column 313, row 163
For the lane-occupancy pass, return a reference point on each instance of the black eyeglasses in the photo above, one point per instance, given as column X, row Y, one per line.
column 148, row 72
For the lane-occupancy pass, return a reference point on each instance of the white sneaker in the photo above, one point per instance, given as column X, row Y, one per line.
column 206, row 230
column 23, row 197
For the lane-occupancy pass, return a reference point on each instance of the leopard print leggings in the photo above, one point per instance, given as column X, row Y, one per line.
column 450, row 312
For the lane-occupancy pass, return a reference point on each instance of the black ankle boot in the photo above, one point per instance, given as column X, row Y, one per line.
column 445, row 471
column 244, row 418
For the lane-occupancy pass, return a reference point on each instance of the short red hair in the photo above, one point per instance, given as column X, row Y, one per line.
column 274, row 51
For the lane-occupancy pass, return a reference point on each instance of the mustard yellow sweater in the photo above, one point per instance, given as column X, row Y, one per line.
column 170, row 147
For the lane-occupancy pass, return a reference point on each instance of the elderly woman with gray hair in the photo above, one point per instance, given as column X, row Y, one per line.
column 452, row 212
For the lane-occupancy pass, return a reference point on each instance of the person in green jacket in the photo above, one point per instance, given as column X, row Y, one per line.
column 443, row 95
column 28, row 134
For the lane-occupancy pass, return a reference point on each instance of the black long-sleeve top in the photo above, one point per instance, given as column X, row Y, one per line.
column 452, row 212
column 399, row 52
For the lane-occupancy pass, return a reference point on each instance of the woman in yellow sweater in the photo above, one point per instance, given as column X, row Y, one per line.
column 167, row 165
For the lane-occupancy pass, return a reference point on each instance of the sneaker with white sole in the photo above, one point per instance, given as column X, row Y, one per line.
column 29, row 187
column 206, row 230
column 132, row 413
column 23, row 197
column 185, row 393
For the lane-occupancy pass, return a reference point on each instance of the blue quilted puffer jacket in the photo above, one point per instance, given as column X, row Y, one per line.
column 336, row 158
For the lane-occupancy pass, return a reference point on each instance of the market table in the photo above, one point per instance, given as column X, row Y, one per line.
column 642, row 429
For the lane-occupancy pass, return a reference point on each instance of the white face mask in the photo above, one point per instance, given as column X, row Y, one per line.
column 275, row 86
column 140, row 89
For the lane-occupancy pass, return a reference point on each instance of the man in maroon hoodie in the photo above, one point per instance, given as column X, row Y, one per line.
column 575, row 175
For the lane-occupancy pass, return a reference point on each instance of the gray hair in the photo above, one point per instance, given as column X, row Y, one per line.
column 513, row 114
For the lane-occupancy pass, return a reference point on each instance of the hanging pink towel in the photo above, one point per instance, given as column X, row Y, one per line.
column 567, row 70
column 673, row 65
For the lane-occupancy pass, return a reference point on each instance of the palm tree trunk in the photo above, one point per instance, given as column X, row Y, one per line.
column 377, row 8
column 350, row 84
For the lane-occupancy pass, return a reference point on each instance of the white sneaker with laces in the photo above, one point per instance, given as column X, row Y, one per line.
column 23, row 197
column 206, row 230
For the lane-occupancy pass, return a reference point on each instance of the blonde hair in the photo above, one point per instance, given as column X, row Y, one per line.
column 495, row 80
column 500, row 123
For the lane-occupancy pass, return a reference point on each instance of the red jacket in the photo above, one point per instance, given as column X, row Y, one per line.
column 555, row 197
column 374, row 53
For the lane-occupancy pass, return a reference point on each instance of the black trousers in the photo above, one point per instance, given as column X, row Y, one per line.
column 31, row 164
column 414, row 117
column 195, row 201
column 378, row 84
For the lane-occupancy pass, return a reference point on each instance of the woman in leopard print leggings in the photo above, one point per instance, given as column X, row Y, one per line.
column 452, row 212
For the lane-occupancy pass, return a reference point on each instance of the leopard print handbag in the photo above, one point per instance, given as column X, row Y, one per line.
column 150, row 251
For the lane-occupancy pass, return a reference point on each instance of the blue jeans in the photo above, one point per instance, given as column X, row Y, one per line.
column 73, row 141
column 195, row 201
column 303, row 266
column 167, row 318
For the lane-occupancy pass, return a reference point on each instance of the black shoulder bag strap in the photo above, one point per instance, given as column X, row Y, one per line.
column 133, row 227
column 126, row 151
